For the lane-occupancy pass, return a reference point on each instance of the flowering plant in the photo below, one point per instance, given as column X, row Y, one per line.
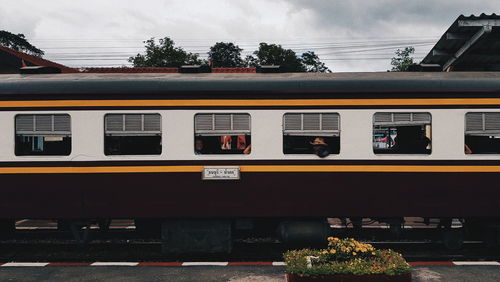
column 345, row 256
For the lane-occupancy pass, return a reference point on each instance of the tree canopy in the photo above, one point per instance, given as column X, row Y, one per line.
column 226, row 54
column 18, row 42
column 312, row 63
column 287, row 59
column 164, row 54
column 273, row 54
column 403, row 59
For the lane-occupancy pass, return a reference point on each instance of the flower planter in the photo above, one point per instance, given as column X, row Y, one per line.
column 349, row 278
column 346, row 260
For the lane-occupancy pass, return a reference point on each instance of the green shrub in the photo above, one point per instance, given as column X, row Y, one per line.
column 346, row 256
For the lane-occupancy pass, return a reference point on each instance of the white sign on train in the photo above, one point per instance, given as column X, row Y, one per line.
column 221, row 173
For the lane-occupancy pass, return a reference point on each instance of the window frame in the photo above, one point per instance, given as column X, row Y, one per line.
column 132, row 155
column 431, row 150
column 312, row 132
column 42, row 155
column 493, row 155
column 221, row 113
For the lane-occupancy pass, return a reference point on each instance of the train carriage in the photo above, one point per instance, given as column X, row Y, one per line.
column 217, row 151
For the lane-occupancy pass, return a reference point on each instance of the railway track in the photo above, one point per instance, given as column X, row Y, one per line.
column 261, row 249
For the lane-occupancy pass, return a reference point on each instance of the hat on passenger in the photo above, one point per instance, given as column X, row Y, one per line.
column 318, row 141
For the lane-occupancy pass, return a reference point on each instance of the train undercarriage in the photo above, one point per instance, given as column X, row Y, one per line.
column 199, row 235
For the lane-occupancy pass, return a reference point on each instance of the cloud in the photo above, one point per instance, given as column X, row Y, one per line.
column 107, row 32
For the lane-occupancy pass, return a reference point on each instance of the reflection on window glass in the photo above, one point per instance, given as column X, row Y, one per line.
column 311, row 133
column 222, row 134
column 48, row 135
column 482, row 133
column 402, row 133
column 132, row 134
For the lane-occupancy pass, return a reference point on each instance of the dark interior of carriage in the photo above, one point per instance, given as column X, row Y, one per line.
column 483, row 144
column 302, row 144
column 42, row 145
column 401, row 140
column 132, row 145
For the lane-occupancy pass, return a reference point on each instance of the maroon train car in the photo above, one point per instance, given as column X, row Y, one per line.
column 216, row 153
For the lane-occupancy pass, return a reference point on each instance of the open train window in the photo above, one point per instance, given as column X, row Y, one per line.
column 46, row 135
column 132, row 134
column 311, row 133
column 482, row 133
column 222, row 134
column 402, row 133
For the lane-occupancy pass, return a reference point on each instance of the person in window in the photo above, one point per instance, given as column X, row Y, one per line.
column 411, row 140
column 319, row 147
column 467, row 149
column 248, row 150
column 198, row 146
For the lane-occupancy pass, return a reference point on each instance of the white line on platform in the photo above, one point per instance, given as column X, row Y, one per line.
column 115, row 263
column 476, row 263
column 37, row 264
column 278, row 263
column 208, row 263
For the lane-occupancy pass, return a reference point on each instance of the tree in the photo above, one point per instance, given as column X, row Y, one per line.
column 226, row 54
column 164, row 54
column 312, row 63
column 272, row 54
column 18, row 42
column 403, row 59
column 287, row 59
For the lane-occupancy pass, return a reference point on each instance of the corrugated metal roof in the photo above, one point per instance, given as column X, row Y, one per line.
column 471, row 43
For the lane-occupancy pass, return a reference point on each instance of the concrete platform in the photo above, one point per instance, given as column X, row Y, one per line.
column 266, row 273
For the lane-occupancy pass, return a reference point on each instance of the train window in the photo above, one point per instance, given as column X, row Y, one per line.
column 482, row 133
column 402, row 133
column 46, row 135
column 222, row 134
column 132, row 134
column 311, row 133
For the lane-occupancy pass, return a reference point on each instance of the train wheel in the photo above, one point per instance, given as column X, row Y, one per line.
column 7, row 229
column 196, row 236
column 104, row 224
column 150, row 228
column 453, row 238
column 81, row 231
column 492, row 237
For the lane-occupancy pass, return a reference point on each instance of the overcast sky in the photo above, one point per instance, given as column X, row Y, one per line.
column 354, row 35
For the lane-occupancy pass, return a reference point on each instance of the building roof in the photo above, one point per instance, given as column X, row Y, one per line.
column 471, row 43
column 159, row 70
column 33, row 60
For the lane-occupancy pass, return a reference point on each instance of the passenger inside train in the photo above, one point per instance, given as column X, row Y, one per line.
column 320, row 146
column 402, row 133
column 219, row 134
column 225, row 144
column 311, row 133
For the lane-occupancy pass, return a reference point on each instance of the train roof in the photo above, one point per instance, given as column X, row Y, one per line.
column 307, row 82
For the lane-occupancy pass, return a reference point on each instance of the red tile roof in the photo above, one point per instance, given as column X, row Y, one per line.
column 160, row 70
column 37, row 61
column 234, row 70
column 129, row 70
